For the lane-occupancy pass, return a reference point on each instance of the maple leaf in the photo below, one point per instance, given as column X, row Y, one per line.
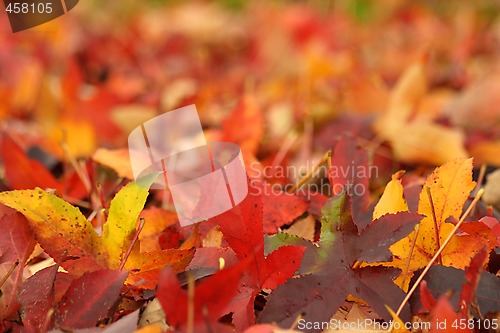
column 333, row 275
column 442, row 310
column 280, row 208
column 22, row 172
column 417, row 139
column 82, row 302
column 209, row 302
column 16, row 245
column 443, row 313
column 61, row 229
column 67, row 236
column 88, row 298
column 392, row 200
column 449, row 187
column 242, row 229
column 350, row 173
column 157, row 220
column 37, row 298
column 472, row 275
column 247, row 137
column 117, row 159
column 474, row 285
column 122, row 219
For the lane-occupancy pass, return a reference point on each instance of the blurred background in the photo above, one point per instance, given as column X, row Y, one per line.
column 281, row 78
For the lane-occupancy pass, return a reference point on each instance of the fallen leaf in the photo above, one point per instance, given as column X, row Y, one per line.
column 449, row 187
column 117, row 160
column 88, row 298
column 61, row 229
column 313, row 296
column 156, row 221
column 247, row 137
column 16, row 245
column 392, row 200
column 443, row 281
column 124, row 211
column 242, row 229
column 22, row 172
column 350, row 173
column 37, row 298
column 280, row 208
column 209, row 303
column 417, row 140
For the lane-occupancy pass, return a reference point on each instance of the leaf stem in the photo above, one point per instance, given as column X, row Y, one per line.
column 434, row 219
column 407, row 268
column 447, row 240
column 81, row 172
column 304, row 179
column 131, row 246
column 11, row 270
column 190, row 309
column 46, row 321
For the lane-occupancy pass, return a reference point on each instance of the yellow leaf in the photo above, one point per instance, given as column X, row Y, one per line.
column 427, row 143
column 150, row 329
column 78, row 135
column 213, row 238
column 194, row 239
column 421, row 140
column 409, row 90
column 449, row 187
column 150, row 265
column 116, row 159
column 392, row 200
column 486, row 153
column 122, row 219
column 61, row 229
column 66, row 235
column 156, row 221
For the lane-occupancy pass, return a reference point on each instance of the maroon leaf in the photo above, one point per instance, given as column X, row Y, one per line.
column 350, row 173
column 332, row 276
column 445, row 280
column 16, row 245
column 280, row 208
column 428, row 301
column 37, row 297
column 22, row 172
column 210, row 298
column 88, row 298
column 242, row 229
column 472, row 275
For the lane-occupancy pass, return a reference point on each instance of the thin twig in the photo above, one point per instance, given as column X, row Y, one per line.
column 190, row 309
column 74, row 163
column 131, row 246
column 304, row 179
column 296, row 322
column 480, row 179
column 46, row 321
column 9, row 272
column 407, row 268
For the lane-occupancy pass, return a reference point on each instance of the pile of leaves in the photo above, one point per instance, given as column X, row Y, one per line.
column 366, row 133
